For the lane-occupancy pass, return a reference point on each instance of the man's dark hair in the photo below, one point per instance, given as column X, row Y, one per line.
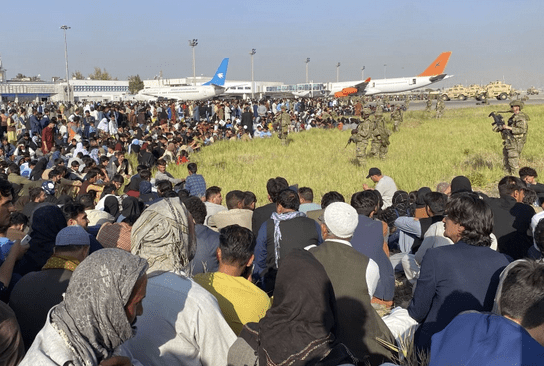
column 92, row 173
column 364, row 202
column 163, row 186
column 145, row 174
column 118, row 178
column 306, row 193
column 182, row 194
column 192, row 168
column 289, row 199
column 538, row 235
column 510, row 184
column 331, row 197
column 197, row 208
column 522, row 295
column 249, row 198
column 161, row 162
column 530, row 196
column 471, row 212
column 72, row 210
column 527, row 172
column 436, row 202
column 58, row 161
column 237, row 245
column 34, row 193
column 274, row 186
column 17, row 218
column 212, row 191
column 87, row 201
column 53, row 173
column 6, row 188
column 233, row 198
column 141, row 167
column 109, row 188
column 104, row 159
column 14, row 168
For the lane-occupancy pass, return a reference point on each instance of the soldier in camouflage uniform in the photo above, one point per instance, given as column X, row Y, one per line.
column 380, row 136
column 429, row 104
column 285, row 121
column 439, row 107
column 361, row 135
column 396, row 117
column 514, row 136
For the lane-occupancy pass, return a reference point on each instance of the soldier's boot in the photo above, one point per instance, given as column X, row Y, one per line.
column 396, row 127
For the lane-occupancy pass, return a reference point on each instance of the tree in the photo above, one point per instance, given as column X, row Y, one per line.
column 20, row 76
column 78, row 75
column 135, row 84
column 98, row 74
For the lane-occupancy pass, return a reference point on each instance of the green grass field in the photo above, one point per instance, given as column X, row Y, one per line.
column 425, row 152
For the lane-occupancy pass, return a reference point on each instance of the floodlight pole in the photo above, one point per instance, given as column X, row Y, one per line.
column 193, row 43
column 337, row 72
column 307, row 62
column 363, row 73
column 64, row 28
column 252, row 53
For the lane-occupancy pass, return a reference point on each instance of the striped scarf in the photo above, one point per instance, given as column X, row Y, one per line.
column 277, row 233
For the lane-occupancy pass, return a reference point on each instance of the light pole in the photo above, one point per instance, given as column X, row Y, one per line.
column 337, row 72
column 252, row 53
column 307, row 62
column 193, row 43
column 64, row 28
column 384, row 69
column 363, row 73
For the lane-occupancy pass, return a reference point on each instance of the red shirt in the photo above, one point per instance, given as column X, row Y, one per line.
column 47, row 139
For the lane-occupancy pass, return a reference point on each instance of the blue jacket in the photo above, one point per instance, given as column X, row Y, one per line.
column 453, row 279
column 475, row 339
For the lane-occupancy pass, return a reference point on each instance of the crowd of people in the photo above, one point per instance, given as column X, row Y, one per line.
column 93, row 249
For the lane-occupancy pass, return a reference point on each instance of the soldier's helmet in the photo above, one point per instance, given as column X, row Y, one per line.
column 518, row 103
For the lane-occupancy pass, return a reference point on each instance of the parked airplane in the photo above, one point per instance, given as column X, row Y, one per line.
column 210, row 89
column 434, row 73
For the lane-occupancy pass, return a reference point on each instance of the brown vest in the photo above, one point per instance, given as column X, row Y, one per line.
column 358, row 323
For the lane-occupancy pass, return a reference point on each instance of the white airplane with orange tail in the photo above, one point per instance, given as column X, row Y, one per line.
column 434, row 73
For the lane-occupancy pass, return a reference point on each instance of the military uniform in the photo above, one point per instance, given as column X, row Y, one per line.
column 396, row 117
column 380, row 136
column 362, row 135
column 439, row 107
column 285, row 121
column 513, row 139
column 429, row 104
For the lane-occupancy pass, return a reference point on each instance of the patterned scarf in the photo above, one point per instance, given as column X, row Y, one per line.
column 61, row 262
column 92, row 319
column 278, row 218
column 162, row 236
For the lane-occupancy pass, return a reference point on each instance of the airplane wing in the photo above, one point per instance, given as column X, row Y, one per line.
column 355, row 89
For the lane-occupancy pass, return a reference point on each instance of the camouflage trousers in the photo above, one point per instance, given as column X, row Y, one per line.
column 396, row 125
column 378, row 148
column 510, row 157
column 283, row 138
column 439, row 113
column 360, row 151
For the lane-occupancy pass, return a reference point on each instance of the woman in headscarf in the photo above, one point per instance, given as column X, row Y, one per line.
column 97, row 315
column 187, row 327
column 111, row 206
column 47, row 221
column 36, row 173
column 131, row 208
column 299, row 327
column 80, row 148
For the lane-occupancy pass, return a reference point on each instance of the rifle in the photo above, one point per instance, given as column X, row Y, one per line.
column 497, row 120
column 350, row 140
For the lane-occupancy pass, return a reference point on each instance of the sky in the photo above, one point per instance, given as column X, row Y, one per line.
column 489, row 40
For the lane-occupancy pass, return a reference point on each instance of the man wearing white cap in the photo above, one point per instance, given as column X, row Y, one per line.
column 354, row 278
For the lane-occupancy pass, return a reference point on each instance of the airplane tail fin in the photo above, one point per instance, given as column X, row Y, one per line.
column 220, row 75
column 438, row 66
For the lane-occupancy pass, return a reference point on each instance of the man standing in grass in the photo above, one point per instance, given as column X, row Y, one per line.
column 514, row 135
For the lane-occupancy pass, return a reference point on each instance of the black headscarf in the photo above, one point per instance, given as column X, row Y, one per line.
column 300, row 325
column 36, row 173
column 131, row 207
column 460, row 184
column 47, row 221
column 111, row 206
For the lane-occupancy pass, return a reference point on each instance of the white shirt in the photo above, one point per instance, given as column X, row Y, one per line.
column 182, row 324
column 387, row 188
